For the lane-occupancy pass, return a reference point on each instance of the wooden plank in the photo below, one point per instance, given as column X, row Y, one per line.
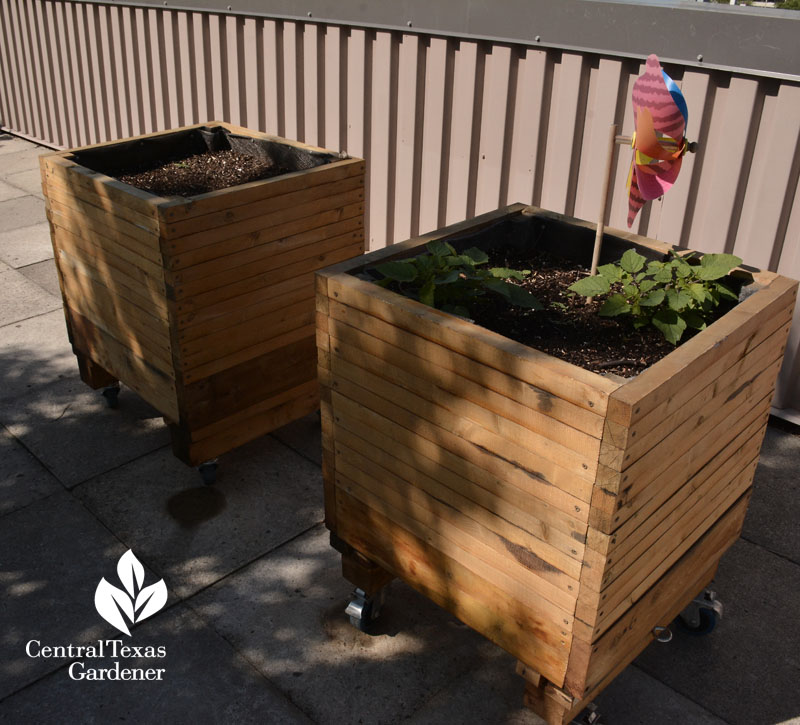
column 504, row 480
column 666, row 599
column 314, row 254
column 239, row 387
column 128, row 294
column 72, row 188
column 137, row 373
column 325, row 405
column 251, row 284
column 271, row 234
column 137, row 272
column 470, row 551
column 420, row 414
column 254, row 191
column 660, row 381
column 301, row 401
column 125, row 323
column 239, row 213
column 630, row 587
column 261, row 252
column 450, row 585
column 295, row 212
column 569, row 382
column 537, row 410
column 101, row 235
column 581, row 462
column 203, row 371
column 610, row 548
column 237, row 309
column 356, row 460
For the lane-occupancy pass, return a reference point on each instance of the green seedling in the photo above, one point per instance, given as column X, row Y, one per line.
column 672, row 296
column 452, row 281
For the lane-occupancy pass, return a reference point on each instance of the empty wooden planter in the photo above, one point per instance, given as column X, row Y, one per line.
column 202, row 305
column 561, row 513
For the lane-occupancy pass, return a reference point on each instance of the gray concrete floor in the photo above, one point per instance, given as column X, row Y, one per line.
column 253, row 628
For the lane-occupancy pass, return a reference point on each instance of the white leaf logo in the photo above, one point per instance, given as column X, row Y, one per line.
column 136, row 603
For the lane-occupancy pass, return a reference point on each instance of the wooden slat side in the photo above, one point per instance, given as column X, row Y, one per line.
column 253, row 284
column 245, row 334
column 581, row 387
column 239, row 387
column 305, row 328
column 238, row 430
column 523, row 443
column 154, row 386
column 723, row 379
column 436, row 451
column 314, row 254
column 237, row 309
column 204, row 204
column 69, row 189
column 328, row 432
column 180, row 245
column 261, row 252
column 239, row 211
column 74, row 258
column 682, row 445
column 478, row 548
column 537, row 410
column 665, row 600
column 273, row 234
column 452, row 586
column 132, row 270
column 631, row 586
column 101, row 234
column 495, row 516
column 420, row 414
column 662, row 380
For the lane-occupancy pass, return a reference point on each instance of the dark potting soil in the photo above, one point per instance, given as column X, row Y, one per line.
column 568, row 327
column 201, row 173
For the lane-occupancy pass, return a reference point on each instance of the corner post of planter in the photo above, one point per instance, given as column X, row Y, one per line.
column 326, row 398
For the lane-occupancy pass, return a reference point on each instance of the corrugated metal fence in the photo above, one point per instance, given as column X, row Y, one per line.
column 450, row 127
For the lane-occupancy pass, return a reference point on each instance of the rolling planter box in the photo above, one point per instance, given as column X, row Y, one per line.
column 563, row 514
column 202, row 305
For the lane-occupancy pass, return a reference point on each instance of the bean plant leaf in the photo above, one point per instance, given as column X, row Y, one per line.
column 714, row 266
column 427, row 293
column 678, row 299
column 656, row 297
column 448, row 278
column 671, row 325
column 694, row 320
column 514, row 294
column 506, row 273
column 591, row 286
column 477, row 255
column 398, row 271
column 663, row 275
column 632, row 261
column 611, row 272
column 726, row 292
column 440, row 248
column 614, row 305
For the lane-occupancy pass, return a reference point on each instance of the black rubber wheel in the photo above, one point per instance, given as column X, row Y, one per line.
column 366, row 622
column 111, row 394
column 708, row 620
column 208, row 472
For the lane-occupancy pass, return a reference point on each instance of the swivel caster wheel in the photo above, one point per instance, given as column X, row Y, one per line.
column 700, row 617
column 592, row 716
column 111, row 394
column 363, row 610
column 208, row 472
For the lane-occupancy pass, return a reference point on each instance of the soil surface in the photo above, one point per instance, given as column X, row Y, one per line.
column 201, row 173
column 568, row 327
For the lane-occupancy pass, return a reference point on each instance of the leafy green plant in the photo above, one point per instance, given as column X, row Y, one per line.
column 674, row 295
column 454, row 282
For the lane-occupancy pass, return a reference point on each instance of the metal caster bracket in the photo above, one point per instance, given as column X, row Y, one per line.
column 208, row 472
column 591, row 717
column 702, row 613
column 363, row 610
column 111, row 394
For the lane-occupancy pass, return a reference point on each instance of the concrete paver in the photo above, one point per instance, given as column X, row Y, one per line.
column 25, row 245
column 207, row 681
column 9, row 191
column 193, row 534
column 23, row 211
column 11, row 144
column 22, row 478
column 29, row 180
column 22, row 298
column 44, row 275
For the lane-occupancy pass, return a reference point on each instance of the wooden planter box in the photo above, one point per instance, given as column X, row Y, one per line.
column 561, row 513
column 203, row 305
